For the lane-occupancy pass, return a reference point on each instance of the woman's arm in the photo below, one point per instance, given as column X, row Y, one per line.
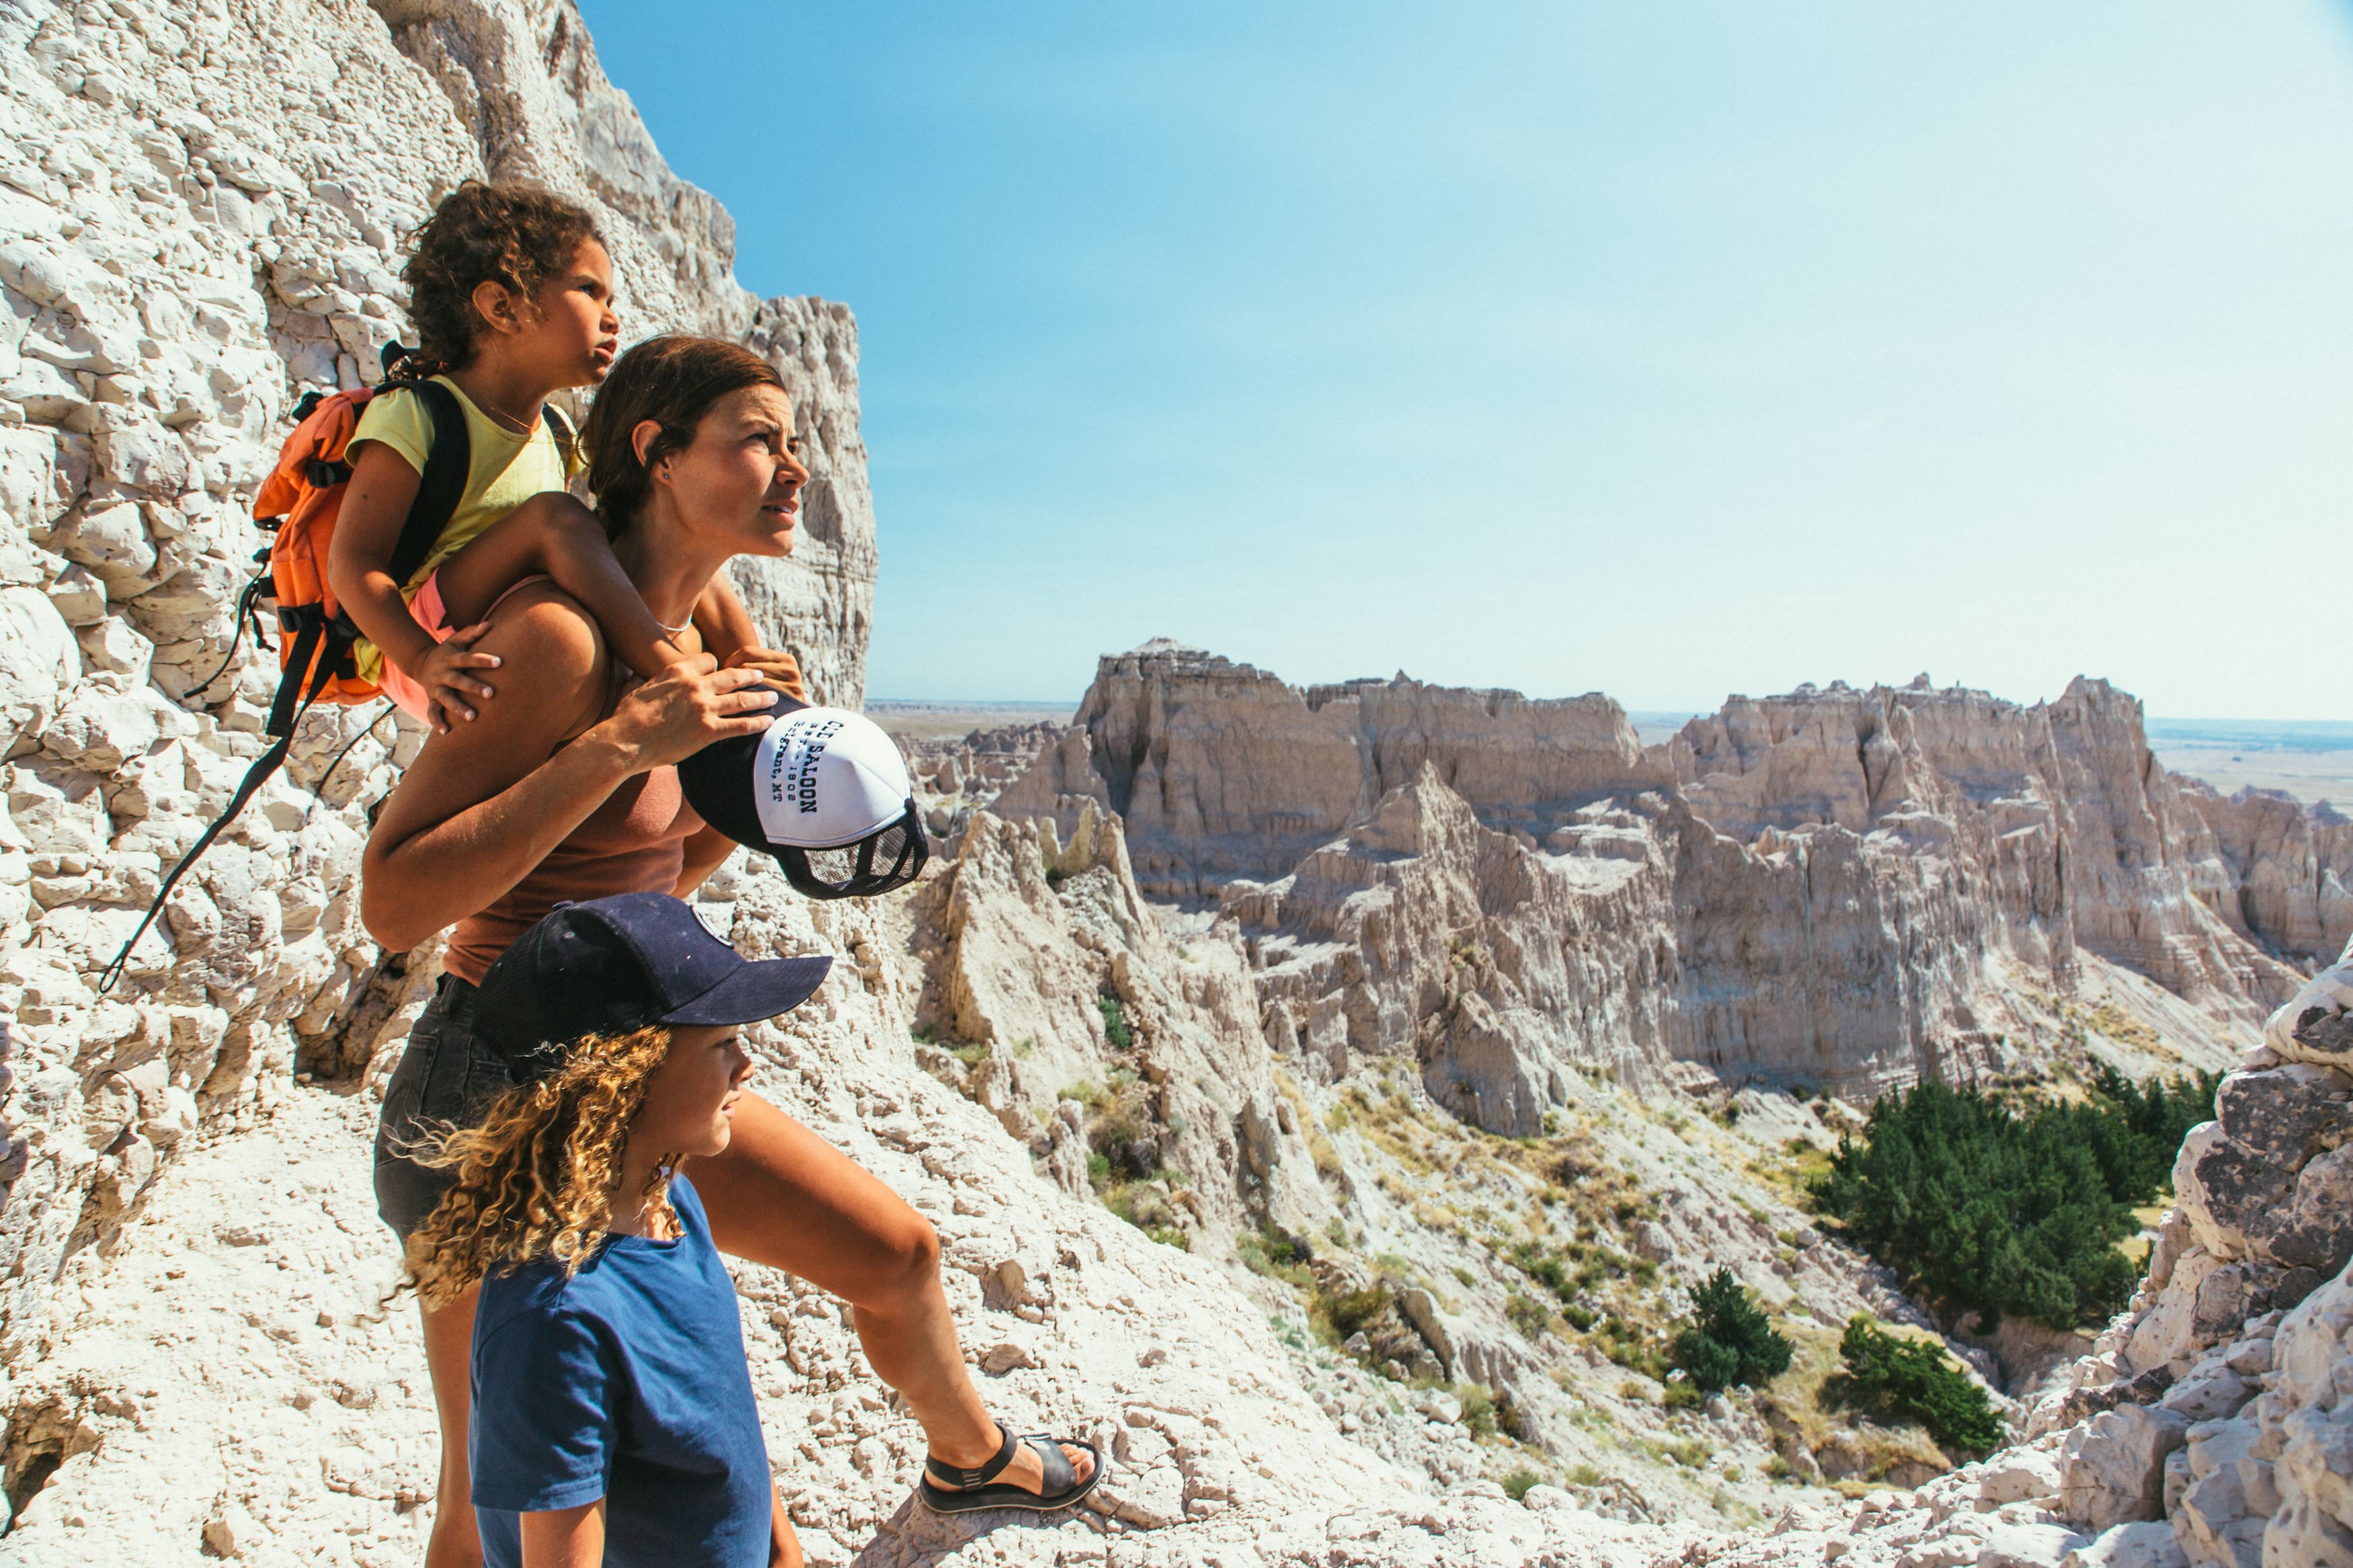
column 482, row 805
column 706, row 851
column 725, row 625
column 729, row 636
column 564, row 1537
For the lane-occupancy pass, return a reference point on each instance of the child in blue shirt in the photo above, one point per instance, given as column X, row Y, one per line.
column 613, row 1416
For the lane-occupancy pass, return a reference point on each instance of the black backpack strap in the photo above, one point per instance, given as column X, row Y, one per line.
column 566, row 440
column 443, row 483
column 294, row 699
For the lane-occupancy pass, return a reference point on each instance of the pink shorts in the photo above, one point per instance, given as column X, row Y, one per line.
column 434, row 616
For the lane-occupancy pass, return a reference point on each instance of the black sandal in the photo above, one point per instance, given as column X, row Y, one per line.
column 973, row 1490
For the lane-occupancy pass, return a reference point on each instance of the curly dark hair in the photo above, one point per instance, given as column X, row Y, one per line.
column 509, row 231
column 672, row 381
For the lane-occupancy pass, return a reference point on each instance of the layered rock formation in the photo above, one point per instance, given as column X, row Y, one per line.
column 1843, row 888
column 201, row 206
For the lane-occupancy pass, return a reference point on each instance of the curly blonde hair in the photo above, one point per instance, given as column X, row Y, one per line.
column 537, row 1177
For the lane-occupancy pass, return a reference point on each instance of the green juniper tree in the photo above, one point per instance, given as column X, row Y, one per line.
column 1728, row 1340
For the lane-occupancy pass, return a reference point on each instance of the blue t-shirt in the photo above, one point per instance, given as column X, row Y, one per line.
column 628, row 1383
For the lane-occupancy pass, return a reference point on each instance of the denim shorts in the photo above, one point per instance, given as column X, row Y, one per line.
column 444, row 1077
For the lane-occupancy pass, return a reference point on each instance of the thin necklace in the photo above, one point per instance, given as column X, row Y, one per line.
column 520, row 427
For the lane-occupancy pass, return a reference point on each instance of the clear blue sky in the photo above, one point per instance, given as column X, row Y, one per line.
column 1665, row 350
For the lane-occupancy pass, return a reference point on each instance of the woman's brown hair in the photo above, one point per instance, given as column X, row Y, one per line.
column 535, row 1178
column 507, row 232
column 672, row 381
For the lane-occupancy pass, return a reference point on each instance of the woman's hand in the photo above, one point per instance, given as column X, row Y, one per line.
column 449, row 690
column 686, row 708
column 774, row 666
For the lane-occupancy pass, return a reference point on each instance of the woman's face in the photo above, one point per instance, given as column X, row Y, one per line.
column 739, row 482
column 689, row 1104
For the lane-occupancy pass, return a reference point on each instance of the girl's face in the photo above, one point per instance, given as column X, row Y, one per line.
column 689, row 1104
column 739, row 482
column 574, row 332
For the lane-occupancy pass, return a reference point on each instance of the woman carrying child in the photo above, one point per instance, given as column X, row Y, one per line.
column 565, row 788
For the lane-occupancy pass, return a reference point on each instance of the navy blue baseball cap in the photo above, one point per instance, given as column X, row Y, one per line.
column 612, row 966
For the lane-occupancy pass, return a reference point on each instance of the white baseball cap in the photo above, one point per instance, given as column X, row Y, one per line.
column 823, row 790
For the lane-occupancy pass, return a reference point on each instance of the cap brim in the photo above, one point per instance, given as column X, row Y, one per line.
column 760, row 990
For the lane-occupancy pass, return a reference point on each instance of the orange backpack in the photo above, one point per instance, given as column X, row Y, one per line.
column 297, row 505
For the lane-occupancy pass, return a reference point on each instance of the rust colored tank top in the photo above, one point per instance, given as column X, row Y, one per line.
column 634, row 843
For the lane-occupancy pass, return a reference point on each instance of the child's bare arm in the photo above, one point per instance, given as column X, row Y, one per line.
column 359, row 563
column 359, row 569
column 784, row 1544
column 729, row 636
column 564, row 1537
column 552, row 535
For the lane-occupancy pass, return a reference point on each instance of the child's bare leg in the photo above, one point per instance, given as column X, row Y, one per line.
column 448, row 1348
column 554, row 535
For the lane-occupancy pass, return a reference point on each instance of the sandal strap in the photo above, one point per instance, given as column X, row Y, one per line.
column 967, row 1479
column 1060, row 1476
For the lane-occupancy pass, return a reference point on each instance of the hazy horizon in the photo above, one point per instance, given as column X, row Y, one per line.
column 1664, row 352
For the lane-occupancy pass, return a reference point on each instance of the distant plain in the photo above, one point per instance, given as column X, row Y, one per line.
column 2309, row 759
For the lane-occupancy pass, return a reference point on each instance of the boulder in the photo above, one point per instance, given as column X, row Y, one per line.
column 2111, row 1468
column 2141, row 1544
column 2019, row 1475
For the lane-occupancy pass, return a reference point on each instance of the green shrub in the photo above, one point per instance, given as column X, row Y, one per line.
column 1114, row 1017
column 1915, row 1381
column 1626, row 1345
column 1349, row 1310
column 1270, row 1252
column 1996, row 1213
column 1728, row 1340
column 1517, row 1485
column 1683, row 1395
column 1478, row 1410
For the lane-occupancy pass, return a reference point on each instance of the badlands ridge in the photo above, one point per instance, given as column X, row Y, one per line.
column 1363, row 985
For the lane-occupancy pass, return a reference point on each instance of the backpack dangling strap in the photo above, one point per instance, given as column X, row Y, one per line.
column 247, row 609
column 322, row 671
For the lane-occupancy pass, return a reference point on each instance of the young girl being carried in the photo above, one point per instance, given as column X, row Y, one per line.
column 613, row 1417
column 512, row 291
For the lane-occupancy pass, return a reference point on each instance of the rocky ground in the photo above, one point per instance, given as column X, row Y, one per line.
column 240, row 1378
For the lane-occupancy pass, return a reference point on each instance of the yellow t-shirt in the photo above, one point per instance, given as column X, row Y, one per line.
column 507, row 471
